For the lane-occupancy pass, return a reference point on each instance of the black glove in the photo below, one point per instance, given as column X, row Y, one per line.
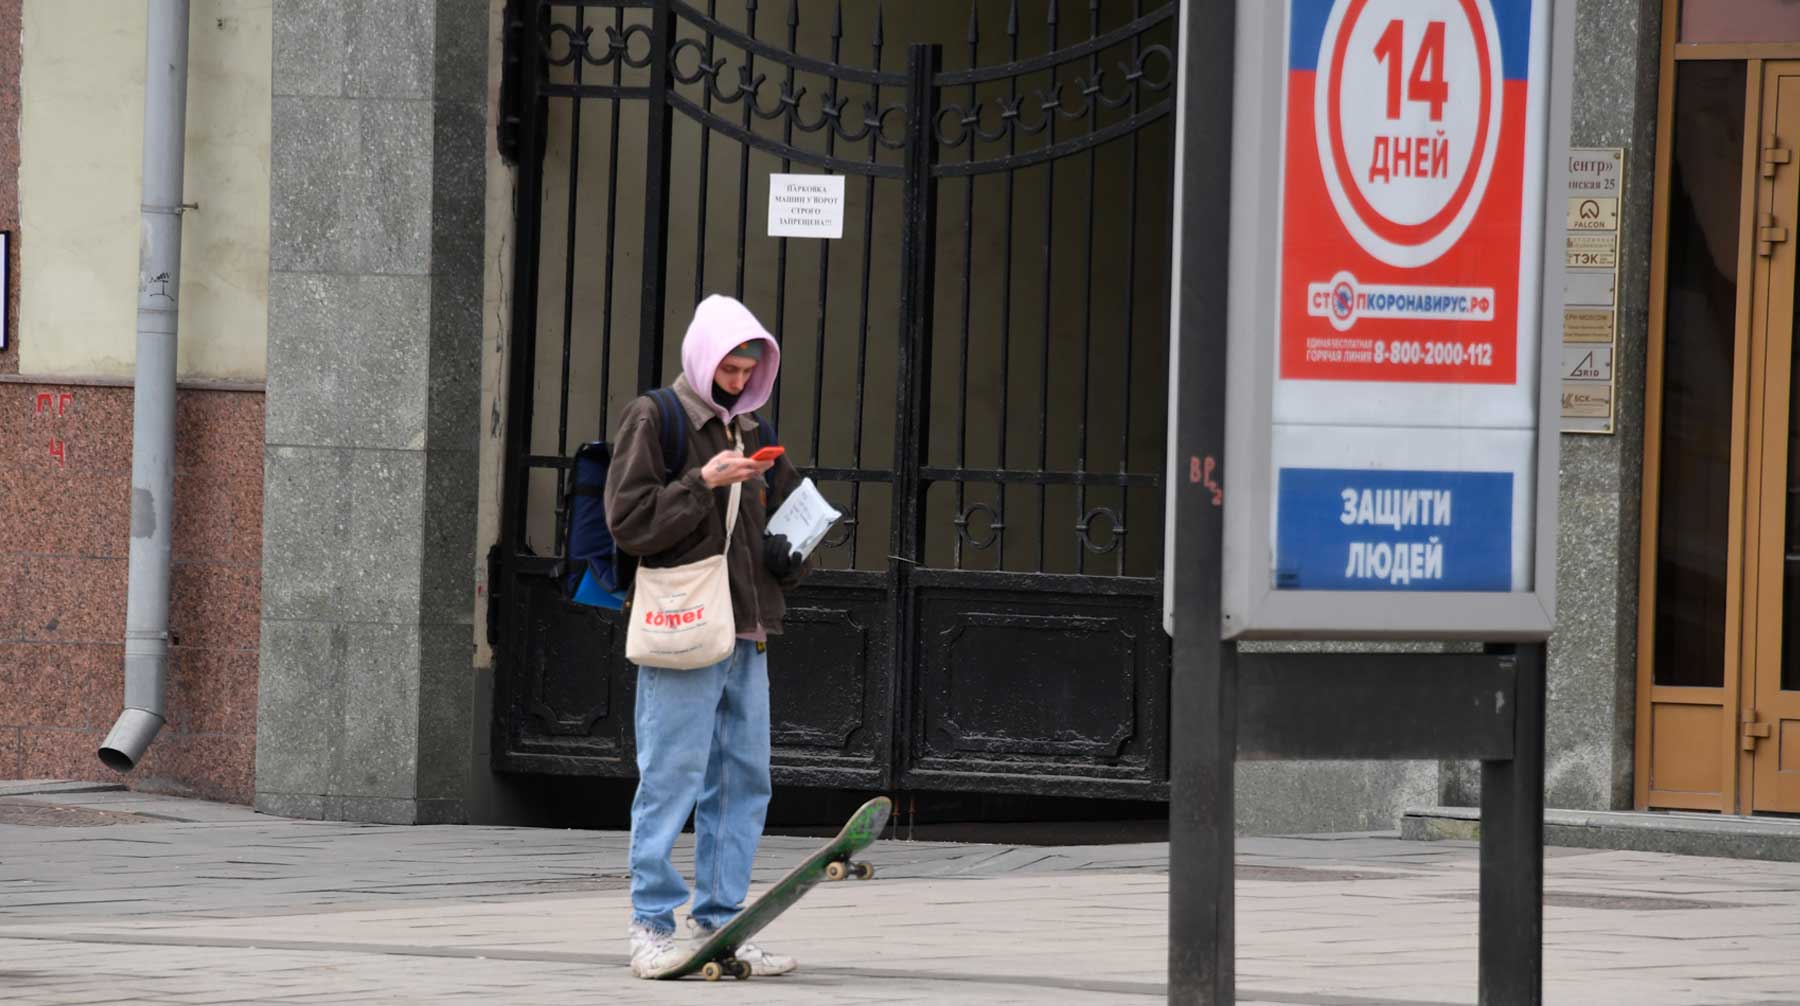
column 779, row 556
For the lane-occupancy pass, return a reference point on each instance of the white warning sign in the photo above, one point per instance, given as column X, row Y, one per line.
column 806, row 206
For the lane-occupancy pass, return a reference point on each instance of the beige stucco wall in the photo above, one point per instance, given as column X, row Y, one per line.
column 81, row 152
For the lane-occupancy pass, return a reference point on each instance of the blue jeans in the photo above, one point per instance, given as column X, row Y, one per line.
column 702, row 748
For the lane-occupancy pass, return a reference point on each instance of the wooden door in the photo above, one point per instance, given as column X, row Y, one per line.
column 1769, row 696
column 1691, row 624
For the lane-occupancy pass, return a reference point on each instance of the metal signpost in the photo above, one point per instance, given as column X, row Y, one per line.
column 1365, row 414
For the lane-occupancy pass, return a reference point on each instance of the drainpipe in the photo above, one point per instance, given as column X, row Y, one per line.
column 153, row 406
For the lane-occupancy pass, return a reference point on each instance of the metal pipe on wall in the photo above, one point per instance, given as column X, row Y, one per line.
column 153, row 402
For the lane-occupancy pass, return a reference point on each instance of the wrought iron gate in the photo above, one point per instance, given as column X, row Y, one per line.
column 975, row 373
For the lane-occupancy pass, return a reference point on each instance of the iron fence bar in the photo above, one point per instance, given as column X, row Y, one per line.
column 917, row 297
column 749, row 72
column 612, row 240
column 1042, row 478
column 817, row 473
column 593, row 90
column 656, row 203
column 1006, row 288
column 1026, row 583
column 818, row 402
column 1087, row 298
column 968, row 282
column 526, row 254
column 852, row 475
column 568, row 320
column 705, row 179
column 1058, row 151
column 710, row 24
column 1043, row 531
column 1056, row 57
column 781, row 244
column 1131, row 231
column 775, row 147
column 862, row 334
column 918, row 282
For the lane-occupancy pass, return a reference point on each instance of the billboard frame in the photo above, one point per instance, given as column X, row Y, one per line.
column 1252, row 607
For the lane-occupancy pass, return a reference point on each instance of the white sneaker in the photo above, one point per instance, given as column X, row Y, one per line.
column 762, row 963
column 652, row 952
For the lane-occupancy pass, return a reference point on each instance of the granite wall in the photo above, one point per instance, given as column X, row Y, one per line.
column 377, row 203
column 1593, row 656
column 65, row 489
column 11, row 14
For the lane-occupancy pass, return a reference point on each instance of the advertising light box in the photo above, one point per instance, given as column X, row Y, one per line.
column 1387, row 430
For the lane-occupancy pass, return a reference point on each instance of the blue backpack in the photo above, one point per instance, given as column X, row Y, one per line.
column 595, row 571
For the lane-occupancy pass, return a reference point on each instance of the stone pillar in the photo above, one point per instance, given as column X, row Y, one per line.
column 1593, row 657
column 376, row 209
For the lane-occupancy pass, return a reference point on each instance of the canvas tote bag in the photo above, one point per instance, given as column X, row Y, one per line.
column 681, row 617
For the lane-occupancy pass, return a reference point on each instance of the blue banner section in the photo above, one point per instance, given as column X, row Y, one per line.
column 1347, row 529
column 1306, row 28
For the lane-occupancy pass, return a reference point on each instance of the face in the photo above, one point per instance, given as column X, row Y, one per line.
column 733, row 373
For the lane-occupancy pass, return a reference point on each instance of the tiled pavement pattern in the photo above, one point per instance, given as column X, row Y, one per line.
column 205, row 904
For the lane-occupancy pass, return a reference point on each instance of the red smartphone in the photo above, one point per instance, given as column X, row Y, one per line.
column 769, row 453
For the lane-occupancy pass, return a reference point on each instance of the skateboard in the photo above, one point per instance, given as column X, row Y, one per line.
column 717, row 957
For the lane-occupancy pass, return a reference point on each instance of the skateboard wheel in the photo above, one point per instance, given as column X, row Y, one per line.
column 836, row 871
column 865, row 871
column 741, row 970
column 712, row 972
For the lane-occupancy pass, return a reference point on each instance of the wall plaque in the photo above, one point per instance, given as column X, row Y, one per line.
column 1591, row 317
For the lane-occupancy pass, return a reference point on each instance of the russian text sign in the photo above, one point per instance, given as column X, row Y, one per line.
column 806, row 206
column 1405, row 135
column 1596, row 185
column 1400, row 376
column 1355, row 529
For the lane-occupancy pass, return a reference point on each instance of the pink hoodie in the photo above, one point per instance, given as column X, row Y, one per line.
column 720, row 325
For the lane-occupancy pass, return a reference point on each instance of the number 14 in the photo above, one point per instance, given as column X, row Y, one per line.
column 1427, row 84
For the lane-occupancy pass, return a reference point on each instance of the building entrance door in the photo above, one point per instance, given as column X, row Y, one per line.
column 1719, row 686
column 1769, row 702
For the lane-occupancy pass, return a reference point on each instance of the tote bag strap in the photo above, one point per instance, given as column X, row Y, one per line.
column 737, row 494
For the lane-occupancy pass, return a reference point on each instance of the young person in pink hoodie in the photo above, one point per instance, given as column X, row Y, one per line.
column 703, row 735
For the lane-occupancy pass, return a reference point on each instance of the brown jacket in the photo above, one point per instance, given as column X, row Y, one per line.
column 672, row 523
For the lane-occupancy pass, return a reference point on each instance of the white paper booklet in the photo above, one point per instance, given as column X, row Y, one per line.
column 805, row 518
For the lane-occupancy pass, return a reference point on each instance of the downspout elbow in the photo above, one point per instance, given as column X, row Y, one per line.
column 146, row 672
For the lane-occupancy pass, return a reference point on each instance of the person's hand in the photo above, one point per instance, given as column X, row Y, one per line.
column 779, row 555
column 729, row 467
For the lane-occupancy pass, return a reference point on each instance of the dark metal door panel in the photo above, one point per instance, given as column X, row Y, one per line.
column 568, row 707
column 831, row 683
column 1056, row 688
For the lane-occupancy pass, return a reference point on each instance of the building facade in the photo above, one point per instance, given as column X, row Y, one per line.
column 438, row 244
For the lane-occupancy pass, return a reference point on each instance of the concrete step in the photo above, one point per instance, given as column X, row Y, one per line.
column 1681, row 833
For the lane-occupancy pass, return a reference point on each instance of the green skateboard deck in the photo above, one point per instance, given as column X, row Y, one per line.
column 717, row 957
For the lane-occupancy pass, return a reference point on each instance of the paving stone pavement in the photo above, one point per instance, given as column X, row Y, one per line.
column 113, row 898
